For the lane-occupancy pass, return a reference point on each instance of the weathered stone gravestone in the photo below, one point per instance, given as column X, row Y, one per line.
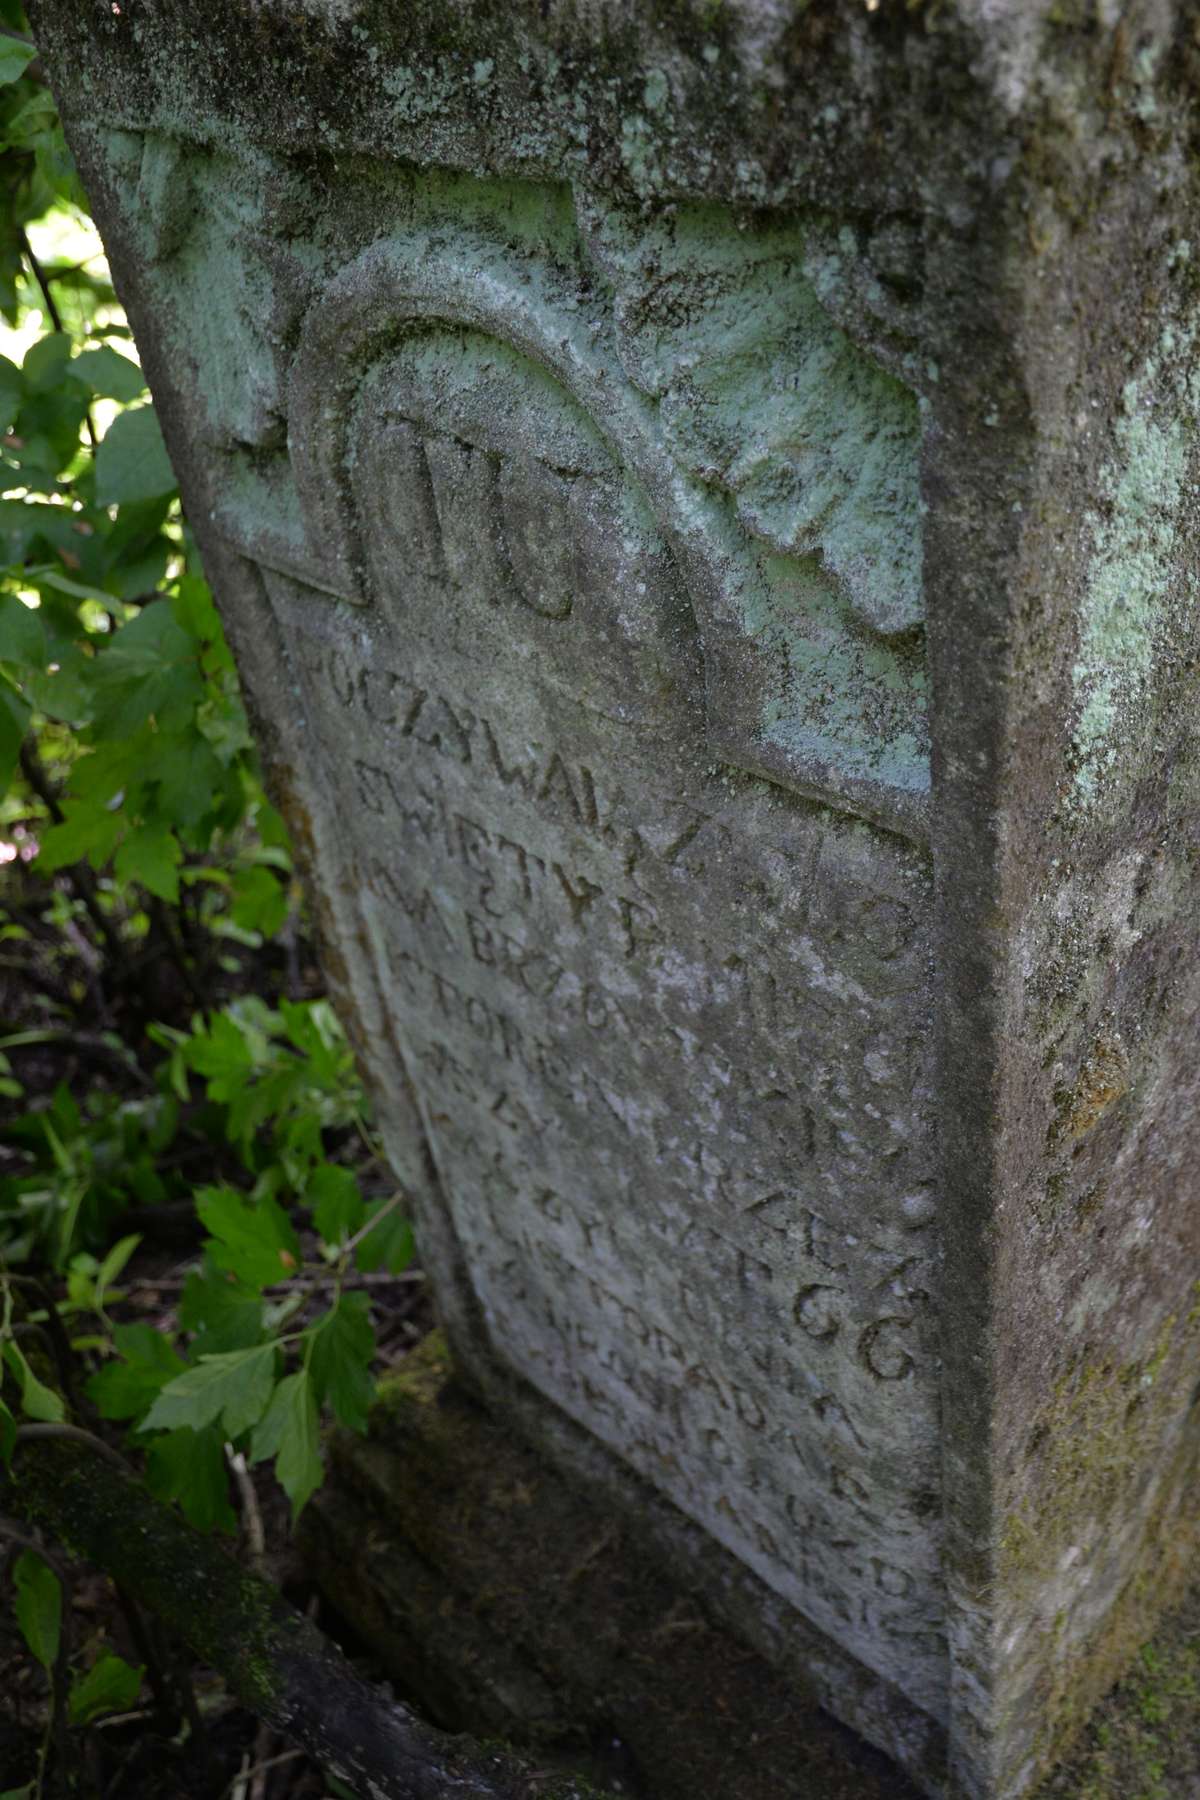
column 705, row 502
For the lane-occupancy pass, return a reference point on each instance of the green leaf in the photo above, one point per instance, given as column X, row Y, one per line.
column 15, row 58
column 389, row 1244
column 189, row 1466
column 45, row 361
column 38, row 1402
column 22, row 633
column 12, row 392
column 110, row 1686
column 14, row 719
column 151, row 856
column 337, row 1205
column 8, row 1434
column 38, row 1607
column 260, row 901
column 234, row 1388
column 108, row 373
column 62, row 584
column 189, row 774
column 150, row 671
column 115, row 1262
column 342, row 1346
column 132, row 461
column 194, row 608
column 124, row 1389
column 290, row 1432
column 222, row 1312
column 87, row 830
column 253, row 1240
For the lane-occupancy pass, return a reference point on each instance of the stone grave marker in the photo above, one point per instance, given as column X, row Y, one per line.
column 705, row 504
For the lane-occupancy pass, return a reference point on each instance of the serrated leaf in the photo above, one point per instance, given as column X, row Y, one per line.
column 233, row 1387
column 342, row 1349
column 337, row 1204
column 189, row 1466
column 107, row 373
column 125, row 1389
column 260, row 901
column 132, row 461
column 151, row 856
column 189, row 774
column 38, row 1607
column 150, row 668
column 221, row 1311
column 253, row 1240
column 110, row 1686
column 389, row 1243
column 86, row 831
column 38, row 1402
column 290, row 1433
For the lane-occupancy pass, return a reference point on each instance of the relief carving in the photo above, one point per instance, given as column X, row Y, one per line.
column 575, row 654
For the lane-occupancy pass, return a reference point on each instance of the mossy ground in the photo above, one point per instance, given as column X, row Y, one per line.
column 1143, row 1742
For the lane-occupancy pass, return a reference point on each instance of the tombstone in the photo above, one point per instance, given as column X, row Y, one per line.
column 704, row 500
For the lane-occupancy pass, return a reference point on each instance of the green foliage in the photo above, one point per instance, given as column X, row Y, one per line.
column 233, row 1390
column 270, row 1085
column 37, row 1401
column 38, row 1606
column 147, row 848
column 109, row 1686
column 341, row 1349
column 189, row 1467
column 289, row 1432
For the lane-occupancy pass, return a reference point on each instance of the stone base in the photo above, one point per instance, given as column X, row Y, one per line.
column 505, row 1600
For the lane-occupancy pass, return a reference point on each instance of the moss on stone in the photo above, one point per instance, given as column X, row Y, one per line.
column 1144, row 1742
column 1102, row 1429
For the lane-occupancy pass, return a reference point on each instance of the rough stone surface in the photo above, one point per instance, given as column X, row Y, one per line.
column 504, row 1598
column 704, row 498
column 492, row 1590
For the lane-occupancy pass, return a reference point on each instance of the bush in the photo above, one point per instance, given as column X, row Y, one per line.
column 172, row 1070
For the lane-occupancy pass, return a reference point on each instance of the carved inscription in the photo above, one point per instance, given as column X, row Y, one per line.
column 666, row 1024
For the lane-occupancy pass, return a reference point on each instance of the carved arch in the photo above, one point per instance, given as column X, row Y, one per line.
column 471, row 283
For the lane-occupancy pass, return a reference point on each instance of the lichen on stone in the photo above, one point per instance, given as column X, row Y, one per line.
column 1124, row 616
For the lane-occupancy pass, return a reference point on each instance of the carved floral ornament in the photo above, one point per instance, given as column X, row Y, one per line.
column 777, row 461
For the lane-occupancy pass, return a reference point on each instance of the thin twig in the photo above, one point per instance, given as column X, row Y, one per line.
column 88, row 1043
column 76, row 1435
column 168, row 1283
column 55, row 317
column 256, row 1540
column 365, row 1231
column 264, row 1742
column 272, row 1762
column 39, row 275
